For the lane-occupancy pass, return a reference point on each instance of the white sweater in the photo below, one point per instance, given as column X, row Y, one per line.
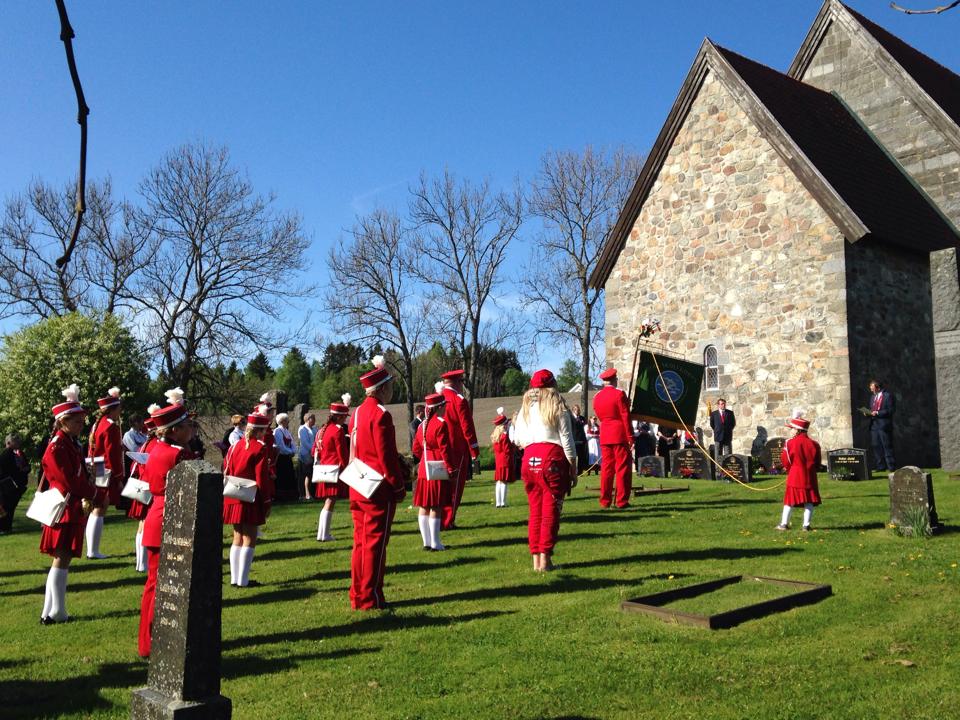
column 534, row 431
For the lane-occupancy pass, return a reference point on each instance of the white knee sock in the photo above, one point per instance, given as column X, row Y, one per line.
column 434, row 524
column 48, row 596
column 503, row 495
column 320, row 524
column 138, row 553
column 424, row 521
column 244, row 561
column 143, row 557
column 498, row 494
column 93, row 533
column 234, row 563
column 327, row 522
column 807, row 514
column 58, row 601
column 785, row 519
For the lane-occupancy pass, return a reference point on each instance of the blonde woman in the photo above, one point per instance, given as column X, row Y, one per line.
column 504, row 471
column 544, row 429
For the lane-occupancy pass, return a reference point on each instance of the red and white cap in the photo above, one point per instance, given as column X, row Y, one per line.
column 339, row 409
column 257, row 421
column 500, row 419
column 111, row 400
column 168, row 416
column 148, row 422
column 543, row 379
column 797, row 420
column 264, row 407
column 454, row 374
column 70, row 405
column 608, row 374
column 434, row 400
column 376, row 377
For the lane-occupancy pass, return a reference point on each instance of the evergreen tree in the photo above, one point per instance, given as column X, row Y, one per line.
column 515, row 382
column 293, row 377
column 259, row 367
column 569, row 375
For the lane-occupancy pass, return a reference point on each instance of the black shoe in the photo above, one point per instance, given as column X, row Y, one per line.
column 250, row 584
column 427, row 548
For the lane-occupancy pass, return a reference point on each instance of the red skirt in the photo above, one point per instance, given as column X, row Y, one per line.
column 338, row 490
column 137, row 511
column 242, row 513
column 66, row 536
column 433, row 493
column 797, row 496
column 504, row 473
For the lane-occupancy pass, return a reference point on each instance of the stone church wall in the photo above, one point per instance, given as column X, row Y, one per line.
column 731, row 250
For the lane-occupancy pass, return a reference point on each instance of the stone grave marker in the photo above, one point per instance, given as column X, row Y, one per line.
column 652, row 466
column 770, row 455
column 184, row 677
column 296, row 420
column 738, row 466
column 279, row 400
column 912, row 488
column 848, row 464
column 690, row 463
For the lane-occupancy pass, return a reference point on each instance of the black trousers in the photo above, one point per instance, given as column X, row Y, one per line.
column 882, row 441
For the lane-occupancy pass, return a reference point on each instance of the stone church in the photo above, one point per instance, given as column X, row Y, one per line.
column 796, row 232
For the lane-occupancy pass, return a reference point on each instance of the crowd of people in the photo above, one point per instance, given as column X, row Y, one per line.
column 352, row 456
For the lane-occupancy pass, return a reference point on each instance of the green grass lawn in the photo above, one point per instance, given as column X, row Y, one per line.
column 476, row 634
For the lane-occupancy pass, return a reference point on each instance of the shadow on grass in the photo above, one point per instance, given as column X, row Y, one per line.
column 257, row 666
column 80, row 586
column 373, row 622
column 683, row 556
column 81, row 565
column 301, row 553
column 391, row 569
column 863, row 526
column 522, row 540
column 250, row 596
column 78, row 694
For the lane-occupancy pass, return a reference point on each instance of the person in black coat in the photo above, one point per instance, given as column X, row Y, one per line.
column 580, row 439
column 14, row 471
column 723, row 422
column 881, row 426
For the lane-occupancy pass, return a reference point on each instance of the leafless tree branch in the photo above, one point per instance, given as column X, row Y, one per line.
column 932, row 11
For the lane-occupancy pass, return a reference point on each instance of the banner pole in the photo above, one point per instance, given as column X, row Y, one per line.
column 633, row 373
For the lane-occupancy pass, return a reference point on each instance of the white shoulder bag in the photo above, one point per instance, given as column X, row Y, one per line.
column 238, row 488
column 432, row 469
column 328, row 474
column 48, row 507
column 137, row 489
column 358, row 475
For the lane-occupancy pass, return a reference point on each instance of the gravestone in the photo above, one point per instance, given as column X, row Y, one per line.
column 690, row 463
column 184, row 677
column 279, row 400
column 848, row 464
column 912, row 488
column 296, row 420
column 770, row 455
column 738, row 466
column 652, row 466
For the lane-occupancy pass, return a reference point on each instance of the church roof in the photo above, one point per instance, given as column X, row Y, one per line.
column 853, row 178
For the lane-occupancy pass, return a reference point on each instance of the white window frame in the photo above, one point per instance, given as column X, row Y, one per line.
column 711, row 371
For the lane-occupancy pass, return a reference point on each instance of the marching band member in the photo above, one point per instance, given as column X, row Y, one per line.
column 332, row 447
column 106, row 441
column 503, row 459
column 463, row 437
column 138, row 511
column 375, row 444
column 63, row 469
column 249, row 459
column 801, row 459
column 616, row 439
column 431, row 443
column 173, row 434
column 544, row 429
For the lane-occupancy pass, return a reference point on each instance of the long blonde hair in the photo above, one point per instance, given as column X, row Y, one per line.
column 550, row 403
column 497, row 433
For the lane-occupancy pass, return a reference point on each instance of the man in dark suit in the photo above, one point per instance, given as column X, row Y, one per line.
column 723, row 422
column 881, row 426
column 418, row 412
column 14, row 471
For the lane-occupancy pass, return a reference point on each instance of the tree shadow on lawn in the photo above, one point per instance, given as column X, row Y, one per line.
column 75, row 587
column 522, row 540
column 233, row 668
column 877, row 525
column 77, row 694
column 250, row 597
column 299, row 553
column 682, row 556
column 391, row 569
column 373, row 622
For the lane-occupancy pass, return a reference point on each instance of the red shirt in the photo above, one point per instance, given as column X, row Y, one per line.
column 463, row 435
column 106, row 441
column 438, row 445
column 610, row 407
column 375, row 443
column 163, row 458
column 332, row 446
column 63, row 469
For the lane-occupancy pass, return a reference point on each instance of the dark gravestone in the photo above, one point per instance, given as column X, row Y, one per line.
column 296, row 420
column 279, row 400
column 690, row 463
column 652, row 466
column 736, row 465
column 184, row 677
column 770, row 455
column 911, row 491
column 848, row 464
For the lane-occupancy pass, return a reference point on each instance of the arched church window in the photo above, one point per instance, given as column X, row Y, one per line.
column 711, row 374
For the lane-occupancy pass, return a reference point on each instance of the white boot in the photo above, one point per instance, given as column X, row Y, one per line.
column 434, row 524
column 807, row 515
column 424, row 522
column 234, row 563
column 244, row 561
column 58, row 604
column 93, row 533
column 323, row 529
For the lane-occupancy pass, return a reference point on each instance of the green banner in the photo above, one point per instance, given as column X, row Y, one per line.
column 677, row 380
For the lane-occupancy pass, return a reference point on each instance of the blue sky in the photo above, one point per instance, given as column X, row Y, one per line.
column 337, row 107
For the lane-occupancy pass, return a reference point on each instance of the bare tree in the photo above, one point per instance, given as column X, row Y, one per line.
column 225, row 265
column 373, row 297
column 463, row 233
column 931, row 11
column 578, row 197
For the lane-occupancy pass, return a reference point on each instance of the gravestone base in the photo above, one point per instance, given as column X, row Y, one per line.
column 152, row 705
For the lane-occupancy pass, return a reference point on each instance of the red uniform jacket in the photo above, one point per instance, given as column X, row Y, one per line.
column 107, row 442
column 801, row 460
column 136, row 468
column 250, row 459
column 439, row 446
column 163, row 457
column 610, row 407
column 463, row 435
column 375, row 443
column 63, row 469
column 332, row 446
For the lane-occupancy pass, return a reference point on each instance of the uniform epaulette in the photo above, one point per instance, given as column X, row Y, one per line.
column 440, row 418
column 109, row 420
column 381, row 407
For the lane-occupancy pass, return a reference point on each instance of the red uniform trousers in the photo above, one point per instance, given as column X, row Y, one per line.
column 371, row 533
column 616, row 461
column 546, row 478
column 462, row 463
column 147, row 602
